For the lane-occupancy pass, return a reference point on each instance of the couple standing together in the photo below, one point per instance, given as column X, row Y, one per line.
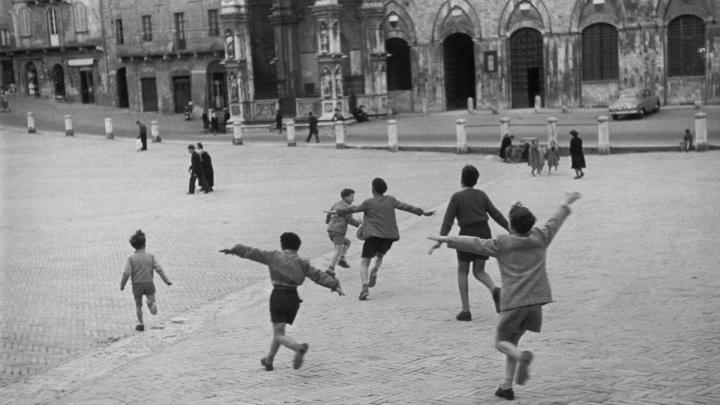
column 201, row 169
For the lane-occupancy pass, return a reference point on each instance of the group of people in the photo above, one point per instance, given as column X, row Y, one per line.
column 520, row 253
column 537, row 155
column 214, row 120
column 201, row 169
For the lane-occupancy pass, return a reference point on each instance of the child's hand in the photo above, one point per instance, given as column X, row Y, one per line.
column 169, row 283
column 571, row 197
column 226, row 251
column 122, row 288
column 439, row 239
column 330, row 212
column 435, row 246
column 428, row 213
column 339, row 290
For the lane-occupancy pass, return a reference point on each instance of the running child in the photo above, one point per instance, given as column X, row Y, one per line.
column 287, row 272
column 139, row 268
column 525, row 285
column 337, row 228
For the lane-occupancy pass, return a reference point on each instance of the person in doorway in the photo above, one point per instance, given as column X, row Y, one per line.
column 313, row 128
column 577, row 156
column 142, row 134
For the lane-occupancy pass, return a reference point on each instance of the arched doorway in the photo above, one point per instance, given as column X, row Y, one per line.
column 526, row 67
column 122, row 89
column 216, row 85
column 399, row 70
column 459, row 59
column 32, row 80
column 59, row 81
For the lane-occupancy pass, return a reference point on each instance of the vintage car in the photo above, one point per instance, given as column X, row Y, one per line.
column 635, row 101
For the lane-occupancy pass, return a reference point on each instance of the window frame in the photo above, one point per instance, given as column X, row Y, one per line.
column 147, row 35
column 25, row 22
column 601, row 64
column 213, row 23
column 79, row 16
column 680, row 61
column 179, row 24
column 119, row 31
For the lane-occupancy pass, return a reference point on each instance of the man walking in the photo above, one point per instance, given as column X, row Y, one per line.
column 313, row 125
column 196, row 172
column 142, row 129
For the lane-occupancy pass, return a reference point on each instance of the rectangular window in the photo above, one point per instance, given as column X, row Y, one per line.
column 686, row 46
column 147, row 28
column 119, row 34
column 180, row 30
column 4, row 38
column 600, row 52
column 213, row 26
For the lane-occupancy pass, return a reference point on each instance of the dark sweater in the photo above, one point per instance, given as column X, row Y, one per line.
column 470, row 206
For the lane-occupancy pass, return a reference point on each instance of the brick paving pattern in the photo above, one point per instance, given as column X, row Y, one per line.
column 633, row 274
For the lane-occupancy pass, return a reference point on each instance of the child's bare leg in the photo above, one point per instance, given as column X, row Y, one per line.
column 481, row 275
column 364, row 264
column 280, row 338
column 337, row 253
column 343, row 249
column 378, row 263
column 514, row 356
column 151, row 304
column 138, row 311
column 463, row 270
column 510, row 365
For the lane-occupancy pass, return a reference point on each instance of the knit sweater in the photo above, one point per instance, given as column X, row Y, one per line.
column 470, row 206
column 379, row 220
column 286, row 267
column 339, row 223
column 140, row 267
column 521, row 259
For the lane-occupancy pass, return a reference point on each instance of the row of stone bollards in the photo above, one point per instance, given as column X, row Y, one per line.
column 154, row 127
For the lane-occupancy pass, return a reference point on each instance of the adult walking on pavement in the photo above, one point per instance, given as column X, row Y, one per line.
column 577, row 156
column 207, row 166
column 278, row 121
column 379, row 229
column 196, row 172
column 142, row 134
column 313, row 126
column 506, row 141
column 472, row 209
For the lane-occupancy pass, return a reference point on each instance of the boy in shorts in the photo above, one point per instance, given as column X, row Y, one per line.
column 337, row 228
column 287, row 272
column 379, row 229
column 140, row 267
column 525, row 285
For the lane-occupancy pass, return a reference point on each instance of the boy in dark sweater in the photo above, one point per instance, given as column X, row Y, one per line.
column 287, row 272
column 525, row 284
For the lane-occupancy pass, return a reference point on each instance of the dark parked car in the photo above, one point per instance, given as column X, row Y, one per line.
column 635, row 101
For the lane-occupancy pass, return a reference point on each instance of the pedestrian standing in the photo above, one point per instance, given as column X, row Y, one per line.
column 577, row 156
column 278, row 121
column 313, row 128
column 553, row 157
column 521, row 257
column 472, row 208
column 214, row 121
column 207, row 166
column 337, row 228
column 504, row 144
column 139, row 268
column 196, row 172
column 142, row 134
column 205, row 121
column 379, row 229
column 535, row 158
column 287, row 272
column 687, row 141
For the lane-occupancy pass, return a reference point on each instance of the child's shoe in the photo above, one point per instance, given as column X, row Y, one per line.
column 373, row 278
column 364, row 293
column 140, row 327
column 496, row 299
column 330, row 273
column 343, row 263
column 298, row 361
column 464, row 316
column 523, row 367
column 507, row 394
column 267, row 364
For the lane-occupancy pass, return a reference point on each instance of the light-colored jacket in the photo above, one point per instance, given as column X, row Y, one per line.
column 521, row 259
column 379, row 220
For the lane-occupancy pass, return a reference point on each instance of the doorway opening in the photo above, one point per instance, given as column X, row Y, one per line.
column 216, row 85
column 87, row 90
column 526, row 67
column 122, row 89
column 149, row 94
column 459, row 60
column 59, row 82
column 181, row 92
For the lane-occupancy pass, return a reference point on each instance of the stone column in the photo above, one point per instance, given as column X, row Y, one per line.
column 392, row 135
column 461, row 136
column 552, row 130
column 237, row 133
column 109, row 128
column 603, row 135
column 284, row 20
column 701, row 138
column 238, row 59
column 68, row 125
column 374, row 59
column 329, row 57
column 290, row 125
column 339, row 127
column 30, row 122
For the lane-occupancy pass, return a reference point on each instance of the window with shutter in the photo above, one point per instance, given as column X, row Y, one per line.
column 600, row 52
column 686, row 46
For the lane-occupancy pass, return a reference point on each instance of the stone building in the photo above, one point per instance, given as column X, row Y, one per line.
column 57, row 50
column 254, row 56
column 7, row 42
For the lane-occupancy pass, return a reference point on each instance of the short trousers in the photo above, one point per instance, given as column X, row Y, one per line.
column 338, row 238
column 479, row 229
column 514, row 322
column 375, row 246
column 141, row 289
column 284, row 304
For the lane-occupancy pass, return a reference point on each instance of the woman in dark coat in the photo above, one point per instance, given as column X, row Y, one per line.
column 506, row 141
column 576, row 154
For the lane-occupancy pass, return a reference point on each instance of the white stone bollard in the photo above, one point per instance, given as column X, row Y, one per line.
column 538, row 103
column 603, row 135
column 392, row 135
column 339, row 127
column 552, row 130
column 461, row 136
column 68, row 125
column 237, row 132
column 701, row 138
column 155, row 131
column 30, row 123
column 424, row 106
column 504, row 126
column 109, row 129
column 290, row 126
column 470, row 105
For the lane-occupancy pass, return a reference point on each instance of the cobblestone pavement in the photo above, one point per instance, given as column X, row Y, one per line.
column 633, row 273
column 483, row 130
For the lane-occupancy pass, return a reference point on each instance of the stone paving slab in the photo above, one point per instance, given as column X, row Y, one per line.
column 633, row 274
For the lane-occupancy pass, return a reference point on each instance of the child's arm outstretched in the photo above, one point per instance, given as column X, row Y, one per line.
column 322, row 278
column 247, row 252
column 552, row 226
column 472, row 244
column 411, row 208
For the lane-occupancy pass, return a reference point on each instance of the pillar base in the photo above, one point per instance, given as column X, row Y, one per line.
column 393, row 148
column 157, row 139
column 292, row 143
column 700, row 147
column 237, row 141
column 69, row 132
column 340, row 146
column 31, row 130
column 461, row 149
column 109, row 136
column 604, row 150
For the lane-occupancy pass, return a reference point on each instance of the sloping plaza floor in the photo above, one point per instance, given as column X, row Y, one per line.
column 633, row 271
